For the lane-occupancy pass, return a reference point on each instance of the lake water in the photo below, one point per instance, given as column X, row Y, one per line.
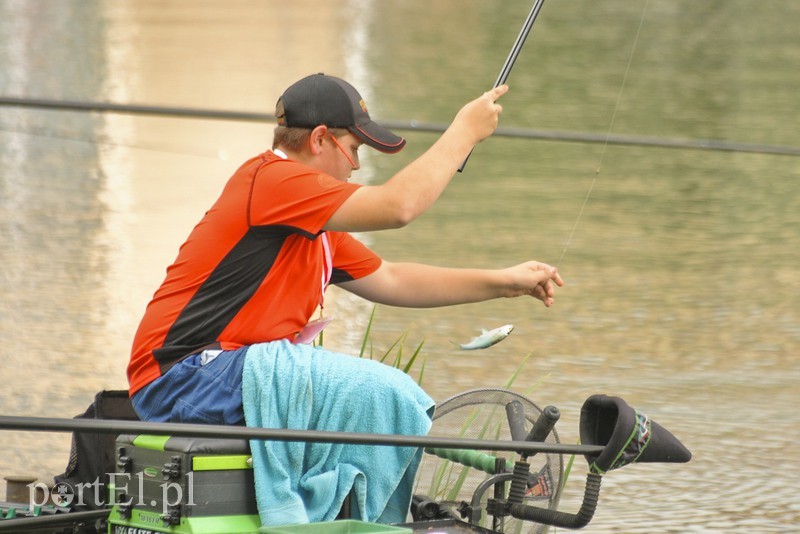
column 682, row 270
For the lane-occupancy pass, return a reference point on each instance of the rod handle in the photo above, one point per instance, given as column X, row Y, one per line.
column 477, row 460
column 516, row 420
column 544, row 425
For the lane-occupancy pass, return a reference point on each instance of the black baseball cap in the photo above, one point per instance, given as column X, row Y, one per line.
column 322, row 99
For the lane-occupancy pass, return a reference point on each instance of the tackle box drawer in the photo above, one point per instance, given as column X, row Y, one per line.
column 177, row 484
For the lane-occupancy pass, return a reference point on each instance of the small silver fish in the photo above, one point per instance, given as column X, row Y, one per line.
column 488, row 338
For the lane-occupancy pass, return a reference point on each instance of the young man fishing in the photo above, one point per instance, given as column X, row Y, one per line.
column 225, row 338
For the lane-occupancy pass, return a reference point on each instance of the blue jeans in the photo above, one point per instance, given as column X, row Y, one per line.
column 199, row 389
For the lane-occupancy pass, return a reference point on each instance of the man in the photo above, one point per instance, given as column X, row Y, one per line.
column 254, row 271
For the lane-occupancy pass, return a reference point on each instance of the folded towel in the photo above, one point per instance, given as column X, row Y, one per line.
column 302, row 387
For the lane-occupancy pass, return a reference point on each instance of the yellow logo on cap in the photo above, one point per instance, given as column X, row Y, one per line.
column 363, row 105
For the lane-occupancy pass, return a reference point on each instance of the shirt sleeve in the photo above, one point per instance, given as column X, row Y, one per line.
column 351, row 258
column 287, row 193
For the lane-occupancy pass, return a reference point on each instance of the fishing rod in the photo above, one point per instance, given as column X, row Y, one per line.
column 512, row 55
column 410, row 125
column 612, row 139
column 118, row 426
column 136, row 109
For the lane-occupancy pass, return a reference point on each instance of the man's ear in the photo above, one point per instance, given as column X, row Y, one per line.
column 318, row 135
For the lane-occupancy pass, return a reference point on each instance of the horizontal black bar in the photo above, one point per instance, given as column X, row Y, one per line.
column 611, row 139
column 524, row 133
column 114, row 426
column 136, row 109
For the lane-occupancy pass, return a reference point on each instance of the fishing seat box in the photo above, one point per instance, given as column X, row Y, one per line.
column 183, row 485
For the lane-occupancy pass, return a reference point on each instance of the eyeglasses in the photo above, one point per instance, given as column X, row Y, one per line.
column 349, row 158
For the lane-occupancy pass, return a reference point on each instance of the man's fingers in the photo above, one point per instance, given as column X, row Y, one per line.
column 497, row 92
column 545, row 288
column 494, row 94
column 549, row 273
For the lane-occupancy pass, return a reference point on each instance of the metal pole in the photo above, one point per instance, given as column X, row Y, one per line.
column 135, row 109
column 411, row 125
column 114, row 426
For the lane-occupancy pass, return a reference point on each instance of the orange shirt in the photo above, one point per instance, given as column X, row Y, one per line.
column 252, row 269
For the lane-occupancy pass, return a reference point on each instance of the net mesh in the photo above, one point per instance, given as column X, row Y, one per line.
column 481, row 414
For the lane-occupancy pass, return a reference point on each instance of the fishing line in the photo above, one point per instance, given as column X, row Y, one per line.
column 608, row 133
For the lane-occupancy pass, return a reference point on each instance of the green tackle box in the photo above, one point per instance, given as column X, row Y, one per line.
column 183, row 485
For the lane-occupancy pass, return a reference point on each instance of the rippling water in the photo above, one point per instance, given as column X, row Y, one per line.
column 682, row 266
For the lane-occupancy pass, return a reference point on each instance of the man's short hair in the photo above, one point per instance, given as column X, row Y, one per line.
column 295, row 139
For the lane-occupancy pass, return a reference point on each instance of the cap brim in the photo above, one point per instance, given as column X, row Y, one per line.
column 378, row 137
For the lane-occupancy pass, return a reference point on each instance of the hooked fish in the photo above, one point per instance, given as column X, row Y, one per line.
column 488, row 338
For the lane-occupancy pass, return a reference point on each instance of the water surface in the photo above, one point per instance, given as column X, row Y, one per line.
column 681, row 265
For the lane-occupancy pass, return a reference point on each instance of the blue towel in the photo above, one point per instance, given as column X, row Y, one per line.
column 302, row 387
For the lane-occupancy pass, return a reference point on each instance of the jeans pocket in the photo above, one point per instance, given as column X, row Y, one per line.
column 152, row 402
